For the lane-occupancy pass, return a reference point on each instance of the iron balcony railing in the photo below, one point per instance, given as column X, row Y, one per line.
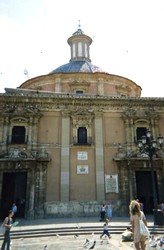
column 87, row 141
column 17, row 139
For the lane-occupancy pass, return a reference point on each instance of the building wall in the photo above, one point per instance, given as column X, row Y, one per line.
column 82, row 185
column 61, row 184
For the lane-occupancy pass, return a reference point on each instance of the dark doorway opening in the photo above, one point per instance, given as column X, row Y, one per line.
column 82, row 135
column 145, row 189
column 14, row 190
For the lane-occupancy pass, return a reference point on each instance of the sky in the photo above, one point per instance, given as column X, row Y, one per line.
column 127, row 36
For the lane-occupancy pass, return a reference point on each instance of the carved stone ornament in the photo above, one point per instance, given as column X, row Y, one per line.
column 140, row 113
column 22, row 153
column 7, row 108
column 81, row 111
column 82, row 117
column 20, row 109
column 131, row 112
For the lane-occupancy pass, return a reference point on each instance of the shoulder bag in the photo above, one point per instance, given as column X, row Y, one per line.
column 2, row 229
column 143, row 228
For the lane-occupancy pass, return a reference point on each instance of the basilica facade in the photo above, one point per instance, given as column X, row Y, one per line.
column 69, row 141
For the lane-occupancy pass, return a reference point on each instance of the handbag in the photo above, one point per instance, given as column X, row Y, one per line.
column 2, row 229
column 143, row 229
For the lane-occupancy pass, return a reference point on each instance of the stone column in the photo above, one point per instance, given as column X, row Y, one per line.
column 29, row 134
column 34, row 132
column 130, row 179
column 40, row 189
column 6, row 130
column 156, row 126
column 65, row 153
column 30, row 199
column 153, row 127
column 133, row 131
column 127, row 130
column 99, row 158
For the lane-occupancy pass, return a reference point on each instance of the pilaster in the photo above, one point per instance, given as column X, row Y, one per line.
column 99, row 157
column 65, row 153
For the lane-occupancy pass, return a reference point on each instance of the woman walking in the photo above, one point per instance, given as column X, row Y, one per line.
column 135, row 215
column 7, row 224
column 109, row 211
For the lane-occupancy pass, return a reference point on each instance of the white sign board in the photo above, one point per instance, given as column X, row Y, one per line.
column 82, row 155
column 111, row 183
column 82, row 169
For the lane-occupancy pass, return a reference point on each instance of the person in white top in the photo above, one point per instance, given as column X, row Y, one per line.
column 102, row 212
column 105, row 230
column 135, row 215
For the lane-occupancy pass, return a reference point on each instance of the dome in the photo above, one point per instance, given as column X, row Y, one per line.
column 77, row 66
column 80, row 55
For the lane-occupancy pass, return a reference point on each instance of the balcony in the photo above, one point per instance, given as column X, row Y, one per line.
column 18, row 153
column 17, row 139
column 85, row 142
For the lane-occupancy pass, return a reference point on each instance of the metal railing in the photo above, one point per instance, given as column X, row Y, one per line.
column 88, row 141
column 17, row 139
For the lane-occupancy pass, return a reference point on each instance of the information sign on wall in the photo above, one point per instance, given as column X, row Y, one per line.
column 111, row 183
column 82, row 169
column 82, row 155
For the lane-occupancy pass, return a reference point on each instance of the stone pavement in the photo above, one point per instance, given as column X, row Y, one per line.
column 72, row 242
column 69, row 242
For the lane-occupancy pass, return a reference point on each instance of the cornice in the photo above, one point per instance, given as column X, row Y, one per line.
column 49, row 101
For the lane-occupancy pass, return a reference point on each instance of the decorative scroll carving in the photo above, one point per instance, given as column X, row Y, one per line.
column 22, row 153
column 140, row 113
column 31, row 108
column 20, row 109
column 82, row 117
column 7, row 108
column 131, row 112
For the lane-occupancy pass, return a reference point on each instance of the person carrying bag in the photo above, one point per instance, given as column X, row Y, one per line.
column 143, row 228
column 7, row 224
column 136, row 215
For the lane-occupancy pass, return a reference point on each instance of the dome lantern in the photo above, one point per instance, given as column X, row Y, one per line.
column 80, row 46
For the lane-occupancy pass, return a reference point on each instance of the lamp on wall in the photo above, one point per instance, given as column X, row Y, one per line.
column 149, row 146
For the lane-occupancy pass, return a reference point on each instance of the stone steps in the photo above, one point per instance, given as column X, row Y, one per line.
column 68, row 231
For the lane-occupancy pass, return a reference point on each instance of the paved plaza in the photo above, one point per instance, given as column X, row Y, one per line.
column 73, row 242
column 69, row 242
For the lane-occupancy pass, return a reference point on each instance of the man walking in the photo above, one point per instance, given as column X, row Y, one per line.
column 14, row 209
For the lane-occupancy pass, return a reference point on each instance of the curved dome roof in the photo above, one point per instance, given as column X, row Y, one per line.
column 80, row 55
column 77, row 66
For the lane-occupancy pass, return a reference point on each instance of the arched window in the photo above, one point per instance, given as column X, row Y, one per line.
column 18, row 135
column 82, row 135
column 86, row 50
column 74, row 50
column 80, row 49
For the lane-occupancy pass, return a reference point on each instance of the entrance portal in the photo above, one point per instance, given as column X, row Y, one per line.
column 14, row 190
column 145, row 189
